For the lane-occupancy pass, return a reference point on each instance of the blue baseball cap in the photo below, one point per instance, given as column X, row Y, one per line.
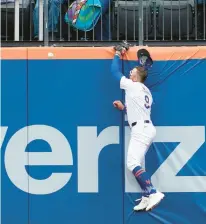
column 144, row 58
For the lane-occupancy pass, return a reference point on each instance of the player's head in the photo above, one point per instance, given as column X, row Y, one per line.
column 138, row 74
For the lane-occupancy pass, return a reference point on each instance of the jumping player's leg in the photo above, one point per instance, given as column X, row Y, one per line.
column 138, row 147
column 135, row 156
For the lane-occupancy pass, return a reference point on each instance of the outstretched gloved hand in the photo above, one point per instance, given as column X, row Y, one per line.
column 122, row 48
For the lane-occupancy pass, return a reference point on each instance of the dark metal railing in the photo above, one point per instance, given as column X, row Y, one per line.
column 42, row 21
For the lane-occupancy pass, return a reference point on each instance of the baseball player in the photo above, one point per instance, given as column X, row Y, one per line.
column 138, row 99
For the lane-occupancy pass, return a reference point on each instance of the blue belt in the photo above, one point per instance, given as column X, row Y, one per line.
column 145, row 121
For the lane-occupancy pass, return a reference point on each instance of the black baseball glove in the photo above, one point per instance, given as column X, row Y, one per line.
column 122, row 47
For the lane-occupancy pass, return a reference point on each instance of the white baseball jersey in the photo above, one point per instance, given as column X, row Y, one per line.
column 138, row 99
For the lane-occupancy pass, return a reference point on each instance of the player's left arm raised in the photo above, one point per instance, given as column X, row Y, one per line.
column 116, row 67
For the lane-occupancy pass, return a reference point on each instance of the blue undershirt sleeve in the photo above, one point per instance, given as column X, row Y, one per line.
column 116, row 68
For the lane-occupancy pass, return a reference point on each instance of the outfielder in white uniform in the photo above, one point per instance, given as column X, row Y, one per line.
column 138, row 99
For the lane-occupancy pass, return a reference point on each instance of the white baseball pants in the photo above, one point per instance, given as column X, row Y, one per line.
column 142, row 135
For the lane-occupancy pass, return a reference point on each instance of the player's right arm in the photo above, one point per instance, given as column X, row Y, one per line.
column 120, row 106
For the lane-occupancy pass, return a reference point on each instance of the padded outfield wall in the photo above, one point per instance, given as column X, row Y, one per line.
column 63, row 145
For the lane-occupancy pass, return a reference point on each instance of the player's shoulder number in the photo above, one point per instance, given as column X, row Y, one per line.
column 147, row 102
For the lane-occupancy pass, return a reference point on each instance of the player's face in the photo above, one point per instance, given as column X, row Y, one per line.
column 133, row 74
